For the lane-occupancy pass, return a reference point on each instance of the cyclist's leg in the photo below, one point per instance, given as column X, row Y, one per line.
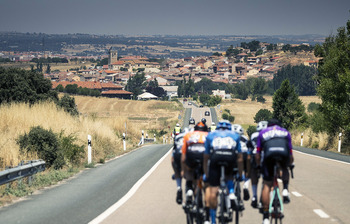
column 254, row 179
column 212, row 190
column 176, row 164
column 247, row 178
column 267, row 170
column 285, row 180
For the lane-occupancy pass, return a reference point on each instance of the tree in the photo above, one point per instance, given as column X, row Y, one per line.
column 300, row 76
column 287, row 107
column 334, row 82
column 262, row 115
column 136, row 84
column 48, row 69
column 155, row 89
column 19, row 85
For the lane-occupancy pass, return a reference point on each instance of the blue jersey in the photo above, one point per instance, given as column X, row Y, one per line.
column 222, row 140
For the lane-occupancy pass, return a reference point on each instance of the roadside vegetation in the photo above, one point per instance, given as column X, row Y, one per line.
column 38, row 123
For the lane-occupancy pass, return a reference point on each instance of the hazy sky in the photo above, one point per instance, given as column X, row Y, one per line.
column 175, row 17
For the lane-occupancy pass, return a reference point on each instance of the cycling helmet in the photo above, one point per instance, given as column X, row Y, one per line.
column 204, row 120
column 273, row 122
column 200, row 126
column 177, row 125
column 261, row 125
column 238, row 129
column 224, row 124
column 212, row 123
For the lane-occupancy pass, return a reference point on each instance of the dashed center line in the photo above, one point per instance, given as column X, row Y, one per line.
column 321, row 213
column 296, row 194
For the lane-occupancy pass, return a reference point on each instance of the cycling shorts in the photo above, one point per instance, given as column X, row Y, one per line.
column 268, row 166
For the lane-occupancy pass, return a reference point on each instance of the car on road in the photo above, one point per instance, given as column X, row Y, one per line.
column 207, row 113
column 189, row 103
column 191, row 121
column 200, row 105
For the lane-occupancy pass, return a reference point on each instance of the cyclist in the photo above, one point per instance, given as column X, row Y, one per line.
column 275, row 142
column 213, row 126
column 222, row 145
column 254, row 172
column 246, row 158
column 204, row 121
column 177, row 130
column 176, row 163
column 192, row 156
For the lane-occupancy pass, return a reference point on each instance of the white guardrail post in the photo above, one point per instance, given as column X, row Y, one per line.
column 124, row 142
column 163, row 139
column 142, row 138
column 339, row 143
column 89, row 149
column 154, row 137
column 301, row 139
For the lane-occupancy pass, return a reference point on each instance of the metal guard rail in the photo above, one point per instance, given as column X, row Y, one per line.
column 22, row 170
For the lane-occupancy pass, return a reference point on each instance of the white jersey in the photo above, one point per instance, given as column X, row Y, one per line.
column 244, row 144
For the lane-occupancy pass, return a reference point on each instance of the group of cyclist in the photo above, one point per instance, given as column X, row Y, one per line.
column 206, row 149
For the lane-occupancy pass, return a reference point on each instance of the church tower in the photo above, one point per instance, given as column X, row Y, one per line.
column 113, row 55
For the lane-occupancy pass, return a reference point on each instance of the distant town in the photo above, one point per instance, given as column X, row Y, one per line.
column 233, row 64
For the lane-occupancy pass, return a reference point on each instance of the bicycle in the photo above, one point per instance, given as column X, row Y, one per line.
column 238, row 208
column 225, row 210
column 194, row 207
column 276, row 204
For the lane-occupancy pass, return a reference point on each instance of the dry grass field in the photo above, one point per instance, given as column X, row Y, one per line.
column 245, row 110
column 147, row 115
column 102, row 118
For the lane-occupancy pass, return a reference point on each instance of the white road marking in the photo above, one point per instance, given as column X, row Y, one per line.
column 128, row 195
column 296, row 194
column 321, row 213
column 322, row 157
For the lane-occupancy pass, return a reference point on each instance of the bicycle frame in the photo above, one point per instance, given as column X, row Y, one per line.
column 225, row 212
column 195, row 211
column 276, row 203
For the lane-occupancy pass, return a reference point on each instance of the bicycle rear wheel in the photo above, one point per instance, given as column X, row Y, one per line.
column 237, row 206
column 221, row 217
column 200, row 207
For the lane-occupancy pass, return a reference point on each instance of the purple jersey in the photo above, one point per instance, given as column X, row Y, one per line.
column 274, row 132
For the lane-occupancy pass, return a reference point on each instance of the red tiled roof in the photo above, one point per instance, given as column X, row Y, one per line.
column 89, row 85
column 116, row 92
column 118, row 63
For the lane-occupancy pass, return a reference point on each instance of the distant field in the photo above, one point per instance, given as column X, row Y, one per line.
column 146, row 114
column 245, row 110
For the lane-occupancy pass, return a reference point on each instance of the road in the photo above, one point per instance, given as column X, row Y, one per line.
column 83, row 198
column 125, row 190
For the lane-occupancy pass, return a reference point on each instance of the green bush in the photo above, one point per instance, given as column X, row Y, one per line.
column 41, row 141
column 312, row 107
column 225, row 116
column 231, row 118
column 56, row 150
column 251, row 129
column 315, row 145
column 260, row 99
column 68, row 104
column 71, row 152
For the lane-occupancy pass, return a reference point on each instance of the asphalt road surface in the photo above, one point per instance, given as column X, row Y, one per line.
column 83, row 198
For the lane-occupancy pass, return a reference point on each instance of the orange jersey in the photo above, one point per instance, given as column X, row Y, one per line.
column 194, row 140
